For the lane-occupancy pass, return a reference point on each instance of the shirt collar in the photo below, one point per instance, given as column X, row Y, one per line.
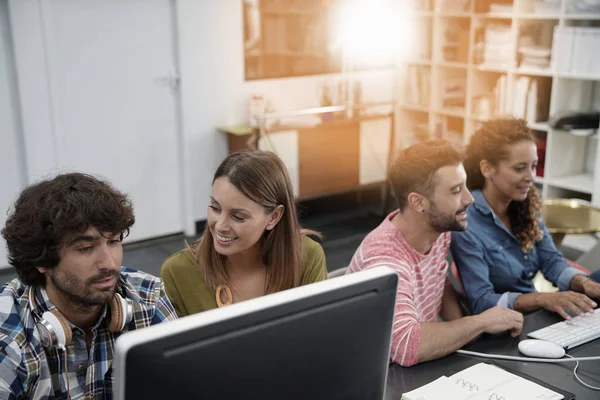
column 43, row 304
column 481, row 203
column 483, row 207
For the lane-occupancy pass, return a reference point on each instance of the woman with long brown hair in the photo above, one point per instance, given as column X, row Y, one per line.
column 506, row 242
column 252, row 244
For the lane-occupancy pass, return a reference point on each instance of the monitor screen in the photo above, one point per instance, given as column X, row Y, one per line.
column 329, row 340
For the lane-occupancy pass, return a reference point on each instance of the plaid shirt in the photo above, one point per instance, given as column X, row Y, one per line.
column 28, row 371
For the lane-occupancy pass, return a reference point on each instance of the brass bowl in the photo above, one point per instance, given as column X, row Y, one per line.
column 570, row 216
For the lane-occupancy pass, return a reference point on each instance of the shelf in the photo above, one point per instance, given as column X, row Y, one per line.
column 420, row 13
column 290, row 54
column 479, row 118
column 536, row 126
column 453, row 14
column 533, row 71
column 539, row 180
column 451, row 112
column 490, row 68
column 283, row 11
column 419, row 62
column 415, row 107
column 578, row 77
column 495, row 15
column 537, row 17
column 539, row 126
column 582, row 16
column 582, row 183
column 451, row 64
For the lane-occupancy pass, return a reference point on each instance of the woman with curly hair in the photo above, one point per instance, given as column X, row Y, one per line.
column 506, row 242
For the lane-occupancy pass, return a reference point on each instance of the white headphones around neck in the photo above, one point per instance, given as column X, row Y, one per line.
column 55, row 330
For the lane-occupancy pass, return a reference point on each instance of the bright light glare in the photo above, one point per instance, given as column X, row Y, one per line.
column 371, row 31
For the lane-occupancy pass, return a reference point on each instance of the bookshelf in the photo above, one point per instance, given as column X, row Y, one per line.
column 475, row 60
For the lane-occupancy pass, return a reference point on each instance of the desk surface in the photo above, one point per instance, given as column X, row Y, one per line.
column 402, row 380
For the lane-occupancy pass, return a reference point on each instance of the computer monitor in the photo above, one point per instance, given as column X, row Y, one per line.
column 328, row 340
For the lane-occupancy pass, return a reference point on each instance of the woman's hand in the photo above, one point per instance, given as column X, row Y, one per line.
column 561, row 302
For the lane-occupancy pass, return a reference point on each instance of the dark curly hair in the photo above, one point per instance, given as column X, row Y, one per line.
column 491, row 143
column 414, row 169
column 48, row 213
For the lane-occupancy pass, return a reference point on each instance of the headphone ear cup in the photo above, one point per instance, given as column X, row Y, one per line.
column 57, row 328
column 120, row 313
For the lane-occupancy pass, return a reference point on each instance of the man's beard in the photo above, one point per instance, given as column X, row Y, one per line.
column 86, row 298
column 441, row 222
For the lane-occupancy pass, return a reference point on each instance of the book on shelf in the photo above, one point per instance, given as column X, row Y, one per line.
column 455, row 46
column 418, row 86
column 443, row 130
column 521, row 97
column 534, row 46
column 422, row 49
column 571, row 50
column 483, row 382
column 494, row 103
column 416, row 133
column 497, row 48
column 546, row 7
column 582, row 7
column 484, row 106
column 501, row 96
column 453, row 91
column 531, row 99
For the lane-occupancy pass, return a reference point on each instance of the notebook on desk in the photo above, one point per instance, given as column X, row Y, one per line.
column 486, row 381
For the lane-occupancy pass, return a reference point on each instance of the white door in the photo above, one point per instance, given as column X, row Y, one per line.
column 114, row 93
column 12, row 158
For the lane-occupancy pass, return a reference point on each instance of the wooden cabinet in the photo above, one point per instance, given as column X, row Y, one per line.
column 331, row 157
column 328, row 158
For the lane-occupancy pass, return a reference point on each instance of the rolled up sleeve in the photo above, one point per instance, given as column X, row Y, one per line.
column 553, row 265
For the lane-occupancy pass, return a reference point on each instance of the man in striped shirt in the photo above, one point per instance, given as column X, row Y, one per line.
column 429, row 183
column 60, row 319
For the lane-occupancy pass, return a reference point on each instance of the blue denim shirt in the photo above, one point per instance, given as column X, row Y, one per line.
column 493, row 267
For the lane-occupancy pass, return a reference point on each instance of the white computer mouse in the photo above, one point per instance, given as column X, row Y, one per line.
column 540, row 349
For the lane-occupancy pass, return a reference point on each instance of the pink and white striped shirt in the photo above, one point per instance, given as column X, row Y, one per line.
column 421, row 281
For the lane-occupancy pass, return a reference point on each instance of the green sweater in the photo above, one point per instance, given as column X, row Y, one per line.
column 189, row 294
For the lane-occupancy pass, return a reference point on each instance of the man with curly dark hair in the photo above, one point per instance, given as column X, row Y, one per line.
column 507, row 242
column 59, row 320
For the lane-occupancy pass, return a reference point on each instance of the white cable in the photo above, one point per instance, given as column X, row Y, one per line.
column 577, row 376
column 527, row 359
